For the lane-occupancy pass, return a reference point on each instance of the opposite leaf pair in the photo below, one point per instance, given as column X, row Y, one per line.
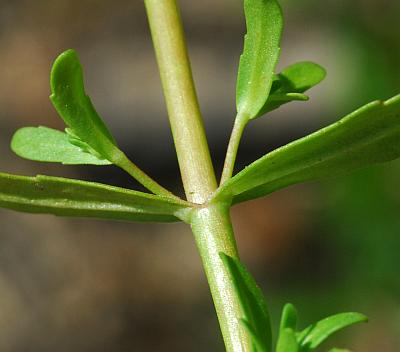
column 256, row 318
column 369, row 135
column 258, row 89
column 87, row 139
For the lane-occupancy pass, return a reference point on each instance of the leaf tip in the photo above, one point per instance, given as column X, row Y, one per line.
column 363, row 318
column 63, row 68
column 224, row 257
column 289, row 317
column 18, row 140
column 15, row 140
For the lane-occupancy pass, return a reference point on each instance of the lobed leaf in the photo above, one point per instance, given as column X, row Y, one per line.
column 75, row 108
column 67, row 197
column 291, row 83
column 260, row 55
column 287, row 341
column 370, row 135
column 311, row 337
column 256, row 317
column 49, row 145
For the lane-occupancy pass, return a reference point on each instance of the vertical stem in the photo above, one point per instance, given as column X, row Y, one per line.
column 210, row 222
column 183, row 109
column 213, row 233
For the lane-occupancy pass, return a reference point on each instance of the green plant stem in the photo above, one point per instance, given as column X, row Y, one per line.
column 213, row 233
column 233, row 146
column 124, row 163
column 183, row 109
column 210, row 222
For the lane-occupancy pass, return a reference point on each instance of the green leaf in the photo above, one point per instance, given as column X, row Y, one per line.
column 257, row 344
column 66, row 197
column 289, row 317
column 339, row 350
column 311, row 337
column 75, row 108
column 260, row 55
column 287, row 341
column 256, row 317
column 368, row 136
column 291, row 83
column 301, row 76
column 46, row 144
column 278, row 99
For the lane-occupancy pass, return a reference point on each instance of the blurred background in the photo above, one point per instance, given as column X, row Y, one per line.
column 86, row 285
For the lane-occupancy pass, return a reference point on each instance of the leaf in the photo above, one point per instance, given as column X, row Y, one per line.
column 75, row 108
column 278, row 99
column 46, row 144
column 287, row 341
column 67, row 197
column 291, row 83
column 311, row 337
column 256, row 317
column 339, row 350
column 301, row 76
column 289, row 317
column 257, row 344
column 367, row 136
column 260, row 55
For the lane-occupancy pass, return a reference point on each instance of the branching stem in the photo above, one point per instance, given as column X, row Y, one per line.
column 211, row 224
column 233, row 146
column 124, row 163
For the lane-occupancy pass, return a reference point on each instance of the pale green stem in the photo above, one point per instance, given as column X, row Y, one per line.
column 213, row 232
column 210, row 222
column 124, row 163
column 184, row 114
column 233, row 146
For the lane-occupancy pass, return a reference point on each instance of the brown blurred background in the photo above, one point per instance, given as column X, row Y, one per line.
column 85, row 285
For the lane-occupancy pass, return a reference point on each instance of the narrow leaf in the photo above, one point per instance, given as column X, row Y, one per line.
column 256, row 316
column 289, row 317
column 368, row 136
column 291, row 83
column 260, row 55
column 49, row 145
column 313, row 336
column 66, row 197
column 75, row 108
column 287, row 341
